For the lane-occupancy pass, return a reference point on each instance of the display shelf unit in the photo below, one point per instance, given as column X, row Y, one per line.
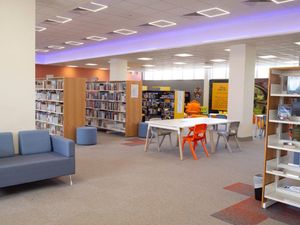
column 114, row 106
column 158, row 104
column 60, row 105
column 281, row 172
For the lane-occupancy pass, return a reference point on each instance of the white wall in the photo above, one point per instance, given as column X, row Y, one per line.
column 17, row 67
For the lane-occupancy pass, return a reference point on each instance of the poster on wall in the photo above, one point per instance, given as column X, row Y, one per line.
column 260, row 96
column 218, row 95
column 134, row 90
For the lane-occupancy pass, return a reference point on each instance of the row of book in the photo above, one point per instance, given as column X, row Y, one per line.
column 116, row 106
column 52, row 128
column 53, row 96
column 49, row 84
column 104, row 96
column 105, row 124
column 49, row 118
column 50, row 107
column 106, row 115
column 115, row 86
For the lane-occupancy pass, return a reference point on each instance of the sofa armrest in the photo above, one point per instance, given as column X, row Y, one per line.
column 63, row 146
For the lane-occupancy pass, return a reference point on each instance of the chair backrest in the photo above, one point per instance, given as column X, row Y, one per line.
column 220, row 116
column 234, row 128
column 199, row 130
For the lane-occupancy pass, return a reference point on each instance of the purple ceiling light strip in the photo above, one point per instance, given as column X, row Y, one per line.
column 272, row 23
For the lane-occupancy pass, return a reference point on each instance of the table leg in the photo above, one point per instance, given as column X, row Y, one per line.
column 147, row 138
column 211, row 141
column 179, row 134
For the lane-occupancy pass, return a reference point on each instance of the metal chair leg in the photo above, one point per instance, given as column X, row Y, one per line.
column 226, row 139
column 71, row 181
column 170, row 140
column 158, row 146
column 217, row 141
column 237, row 143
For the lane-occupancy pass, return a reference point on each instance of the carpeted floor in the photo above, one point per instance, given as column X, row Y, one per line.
column 119, row 184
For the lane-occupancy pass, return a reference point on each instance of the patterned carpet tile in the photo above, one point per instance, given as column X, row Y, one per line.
column 243, row 189
column 249, row 211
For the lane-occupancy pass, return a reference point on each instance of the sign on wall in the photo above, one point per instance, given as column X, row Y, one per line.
column 218, row 95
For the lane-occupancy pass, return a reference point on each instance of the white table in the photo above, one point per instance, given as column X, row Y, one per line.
column 179, row 125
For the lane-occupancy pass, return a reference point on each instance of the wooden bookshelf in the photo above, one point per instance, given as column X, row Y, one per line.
column 60, row 105
column 280, row 169
column 110, row 106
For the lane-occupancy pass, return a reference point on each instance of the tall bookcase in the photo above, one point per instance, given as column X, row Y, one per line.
column 60, row 105
column 281, row 170
column 114, row 106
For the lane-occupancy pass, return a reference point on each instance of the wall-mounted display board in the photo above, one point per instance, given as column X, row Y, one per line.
column 218, row 95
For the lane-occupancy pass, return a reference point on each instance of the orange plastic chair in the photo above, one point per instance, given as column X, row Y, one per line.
column 199, row 134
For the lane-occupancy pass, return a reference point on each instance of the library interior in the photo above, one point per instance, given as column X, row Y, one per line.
column 150, row 112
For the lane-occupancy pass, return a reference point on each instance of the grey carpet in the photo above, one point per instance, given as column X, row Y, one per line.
column 119, row 185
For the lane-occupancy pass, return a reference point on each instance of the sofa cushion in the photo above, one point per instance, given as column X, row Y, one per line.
column 6, row 145
column 34, row 141
column 28, row 168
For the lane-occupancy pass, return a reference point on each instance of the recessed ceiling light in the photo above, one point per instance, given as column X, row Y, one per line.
column 184, row 55
column 91, row 64
column 267, row 56
column 103, row 68
column 207, row 66
column 227, row 50
column 297, row 43
column 93, row 7
column 213, row 12
column 125, row 31
column 179, row 63
column 39, row 29
column 218, row 60
column 145, row 59
column 73, row 43
column 148, row 65
column 292, row 62
column 281, row 1
column 60, row 19
column 96, row 38
column 72, row 66
column 41, row 50
column 56, row 47
column 162, row 23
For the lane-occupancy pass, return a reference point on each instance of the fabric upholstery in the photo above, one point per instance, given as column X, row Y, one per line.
column 63, row 146
column 28, row 168
column 6, row 145
column 34, row 141
column 86, row 135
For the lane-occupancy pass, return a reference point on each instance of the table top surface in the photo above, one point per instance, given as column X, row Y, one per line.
column 187, row 122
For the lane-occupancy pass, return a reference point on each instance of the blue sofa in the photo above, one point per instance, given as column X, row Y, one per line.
column 40, row 157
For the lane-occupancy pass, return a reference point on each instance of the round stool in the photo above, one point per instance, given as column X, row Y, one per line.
column 86, row 135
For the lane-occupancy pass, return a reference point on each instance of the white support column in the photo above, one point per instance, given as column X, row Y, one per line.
column 207, row 76
column 17, row 70
column 241, row 87
column 118, row 70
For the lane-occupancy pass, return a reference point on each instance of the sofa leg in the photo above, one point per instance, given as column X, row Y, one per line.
column 71, row 182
